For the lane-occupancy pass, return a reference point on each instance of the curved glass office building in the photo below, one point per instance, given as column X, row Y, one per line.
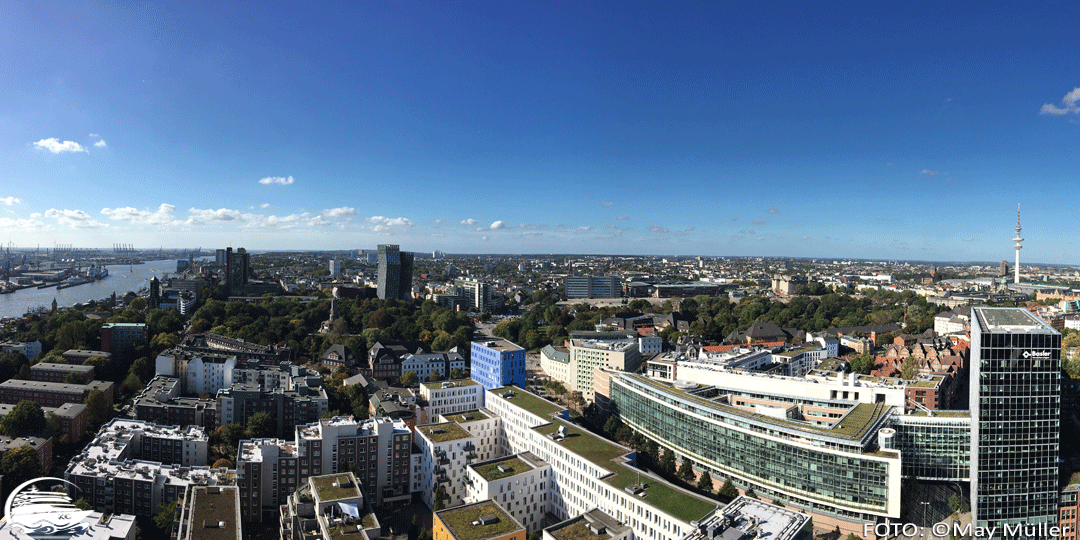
column 837, row 472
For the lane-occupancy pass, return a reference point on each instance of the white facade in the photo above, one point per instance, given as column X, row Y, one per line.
column 444, row 453
column 581, row 484
column 521, row 484
column 650, row 344
column 207, row 375
column 800, row 362
column 555, row 362
column 450, row 397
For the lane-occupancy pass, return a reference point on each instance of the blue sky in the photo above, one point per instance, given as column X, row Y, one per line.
column 908, row 130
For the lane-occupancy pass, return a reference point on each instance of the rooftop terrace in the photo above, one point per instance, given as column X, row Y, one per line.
column 501, row 468
column 528, row 401
column 444, row 432
column 210, row 507
column 332, row 487
column 459, row 521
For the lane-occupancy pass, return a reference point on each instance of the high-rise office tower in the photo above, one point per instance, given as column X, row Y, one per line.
column 236, row 271
column 1015, row 410
column 395, row 273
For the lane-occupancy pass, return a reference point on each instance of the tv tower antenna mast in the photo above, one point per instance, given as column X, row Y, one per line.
column 1018, row 239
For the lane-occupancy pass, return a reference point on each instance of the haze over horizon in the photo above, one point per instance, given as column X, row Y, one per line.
column 841, row 130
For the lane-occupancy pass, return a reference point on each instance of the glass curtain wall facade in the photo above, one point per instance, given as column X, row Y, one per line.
column 935, row 447
column 832, row 477
column 1016, row 402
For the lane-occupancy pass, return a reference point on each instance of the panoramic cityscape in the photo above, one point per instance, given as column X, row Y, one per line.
column 539, row 271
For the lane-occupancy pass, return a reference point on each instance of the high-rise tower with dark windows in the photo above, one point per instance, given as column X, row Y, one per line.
column 395, row 273
column 1015, row 410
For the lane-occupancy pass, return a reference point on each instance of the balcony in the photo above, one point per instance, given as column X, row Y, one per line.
column 443, row 461
column 442, row 479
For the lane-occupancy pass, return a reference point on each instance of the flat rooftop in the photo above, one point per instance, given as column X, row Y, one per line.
column 77, row 368
column 500, row 345
column 467, row 416
column 447, row 431
column 212, row 506
column 581, row 527
column 1007, row 320
column 456, row 383
column 853, row 426
column 528, row 401
column 494, row 521
column 497, row 469
column 332, row 487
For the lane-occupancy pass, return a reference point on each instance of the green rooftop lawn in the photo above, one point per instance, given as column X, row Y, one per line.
column 437, row 385
column 577, row 530
column 472, row 415
column 448, row 431
column 324, row 486
column 368, row 520
column 585, row 444
column 459, row 520
column 663, row 496
column 536, row 405
column 345, row 532
column 490, row 470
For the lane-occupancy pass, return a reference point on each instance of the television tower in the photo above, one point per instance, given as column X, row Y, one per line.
column 1016, row 276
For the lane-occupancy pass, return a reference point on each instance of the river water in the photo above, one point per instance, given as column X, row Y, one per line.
column 122, row 278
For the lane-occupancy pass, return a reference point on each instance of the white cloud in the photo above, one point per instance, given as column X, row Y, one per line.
column 469, row 221
column 584, row 228
column 55, row 146
column 498, row 225
column 623, row 218
column 758, row 222
column 280, row 180
column 774, row 210
column 94, row 135
column 100, row 144
column 196, row 215
column 160, row 217
column 10, row 224
column 342, row 211
column 657, row 229
column 382, row 224
column 76, row 219
column 607, row 203
column 1069, row 104
column 10, row 201
column 928, row 171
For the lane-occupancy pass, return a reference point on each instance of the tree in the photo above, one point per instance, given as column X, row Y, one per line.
column 231, row 434
column 75, row 378
column 728, row 490
column 437, row 504
column 667, row 461
column 133, row 382
column 97, row 408
column 954, row 503
column 864, row 363
column 457, row 373
column 25, row 417
column 409, row 378
column 19, row 465
column 704, row 482
column 686, row 470
column 81, row 504
column 909, row 369
column 260, row 425
column 223, row 463
column 166, row 515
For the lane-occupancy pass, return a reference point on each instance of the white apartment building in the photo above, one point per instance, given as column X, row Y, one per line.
column 799, row 362
column 449, row 397
column 590, row 472
column 445, row 450
column 521, row 484
column 29, row 349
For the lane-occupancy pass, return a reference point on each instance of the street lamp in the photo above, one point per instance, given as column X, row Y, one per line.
column 925, row 505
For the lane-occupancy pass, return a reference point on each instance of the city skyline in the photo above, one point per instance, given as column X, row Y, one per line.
column 902, row 132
